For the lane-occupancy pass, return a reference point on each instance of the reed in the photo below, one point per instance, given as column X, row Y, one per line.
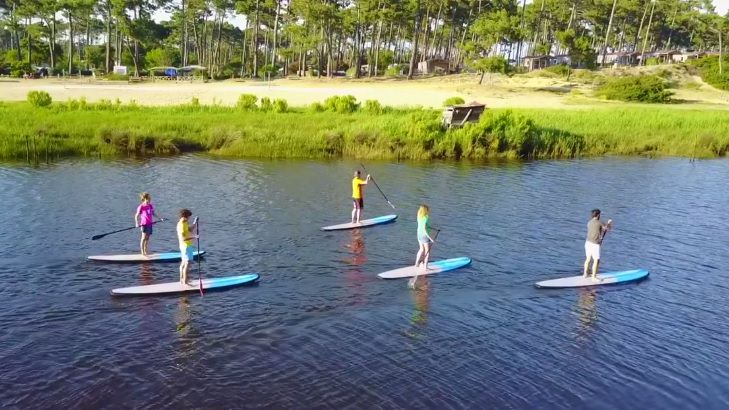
column 110, row 129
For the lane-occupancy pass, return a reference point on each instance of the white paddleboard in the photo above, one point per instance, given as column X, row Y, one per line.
column 137, row 257
column 433, row 267
column 610, row 278
column 362, row 224
column 177, row 287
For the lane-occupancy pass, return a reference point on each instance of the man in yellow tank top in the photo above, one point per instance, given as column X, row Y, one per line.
column 358, row 196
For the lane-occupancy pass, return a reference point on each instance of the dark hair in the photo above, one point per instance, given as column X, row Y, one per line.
column 595, row 213
column 185, row 213
column 357, row 172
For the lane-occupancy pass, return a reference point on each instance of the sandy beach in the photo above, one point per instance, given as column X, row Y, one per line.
column 496, row 91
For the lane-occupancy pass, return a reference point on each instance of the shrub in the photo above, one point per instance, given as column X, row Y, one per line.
column 373, row 106
column 317, row 107
column 453, row 101
column 39, row 98
column 351, row 73
column 246, row 102
column 117, row 77
column 280, row 105
column 341, row 104
column 266, row 104
column 559, row 69
column 395, row 70
column 642, row 88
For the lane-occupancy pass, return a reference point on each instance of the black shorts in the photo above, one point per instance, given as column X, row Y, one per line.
column 358, row 203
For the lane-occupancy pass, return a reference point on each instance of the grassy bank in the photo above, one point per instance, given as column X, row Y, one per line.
column 40, row 134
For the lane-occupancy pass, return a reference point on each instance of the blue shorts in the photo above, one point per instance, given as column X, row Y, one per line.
column 146, row 229
column 187, row 253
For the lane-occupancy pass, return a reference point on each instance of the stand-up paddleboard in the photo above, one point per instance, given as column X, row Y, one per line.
column 362, row 224
column 177, row 287
column 137, row 257
column 611, row 278
column 433, row 267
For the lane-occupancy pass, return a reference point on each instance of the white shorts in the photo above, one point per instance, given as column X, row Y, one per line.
column 592, row 250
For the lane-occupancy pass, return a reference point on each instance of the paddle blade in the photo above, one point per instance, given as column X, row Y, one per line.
column 95, row 237
column 199, row 282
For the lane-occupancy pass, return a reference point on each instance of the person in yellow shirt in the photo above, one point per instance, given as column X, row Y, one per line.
column 357, row 196
column 185, row 235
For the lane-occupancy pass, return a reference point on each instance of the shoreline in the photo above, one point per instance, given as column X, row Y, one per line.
column 111, row 130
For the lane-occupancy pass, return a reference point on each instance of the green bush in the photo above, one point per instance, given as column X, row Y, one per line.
column 642, row 88
column 280, row 105
column 246, row 102
column 395, row 70
column 651, row 61
column 39, row 98
column 351, row 73
column 373, row 106
column 559, row 69
column 453, row 101
column 317, row 107
column 708, row 68
column 266, row 104
column 341, row 104
column 117, row 77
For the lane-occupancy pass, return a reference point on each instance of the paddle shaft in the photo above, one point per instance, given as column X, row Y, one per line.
column 199, row 259
column 378, row 187
column 95, row 237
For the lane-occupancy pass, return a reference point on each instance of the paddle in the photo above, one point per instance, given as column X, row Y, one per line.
column 378, row 187
column 609, row 227
column 411, row 282
column 199, row 269
column 95, row 237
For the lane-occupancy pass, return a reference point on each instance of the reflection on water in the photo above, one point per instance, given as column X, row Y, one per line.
column 420, row 299
column 145, row 274
column 322, row 331
column 356, row 247
column 586, row 313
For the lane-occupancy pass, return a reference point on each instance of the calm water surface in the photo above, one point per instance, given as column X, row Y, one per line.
column 322, row 331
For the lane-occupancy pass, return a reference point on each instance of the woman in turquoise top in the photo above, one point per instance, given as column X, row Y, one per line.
column 424, row 239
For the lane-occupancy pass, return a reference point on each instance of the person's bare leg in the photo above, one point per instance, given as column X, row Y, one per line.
column 426, row 256
column 586, row 267
column 595, row 267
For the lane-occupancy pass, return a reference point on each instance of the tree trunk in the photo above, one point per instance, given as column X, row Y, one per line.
column 70, row 42
column 185, row 36
column 52, row 42
column 416, row 37
column 254, row 42
column 243, row 51
column 107, row 49
column 647, row 32
column 640, row 28
column 377, row 47
column 275, row 32
column 435, row 34
column 30, row 41
column 426, row 33
column 607, row 32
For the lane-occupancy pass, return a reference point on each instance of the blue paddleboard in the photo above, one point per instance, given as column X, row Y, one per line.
column 610, row 278
column 177, row 287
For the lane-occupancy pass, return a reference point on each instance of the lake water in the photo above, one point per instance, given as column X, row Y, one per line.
column 322, row 331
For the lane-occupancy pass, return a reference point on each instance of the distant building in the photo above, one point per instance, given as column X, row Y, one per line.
column 663, row 56
column 536, row 62
column 619, row 59
column 561, row 59
column 434, row 66
column 686, row 56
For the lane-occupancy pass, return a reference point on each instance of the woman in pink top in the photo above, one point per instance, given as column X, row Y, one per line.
column 144, row 218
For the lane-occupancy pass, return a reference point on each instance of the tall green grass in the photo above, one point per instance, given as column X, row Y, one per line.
column 106, row 129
